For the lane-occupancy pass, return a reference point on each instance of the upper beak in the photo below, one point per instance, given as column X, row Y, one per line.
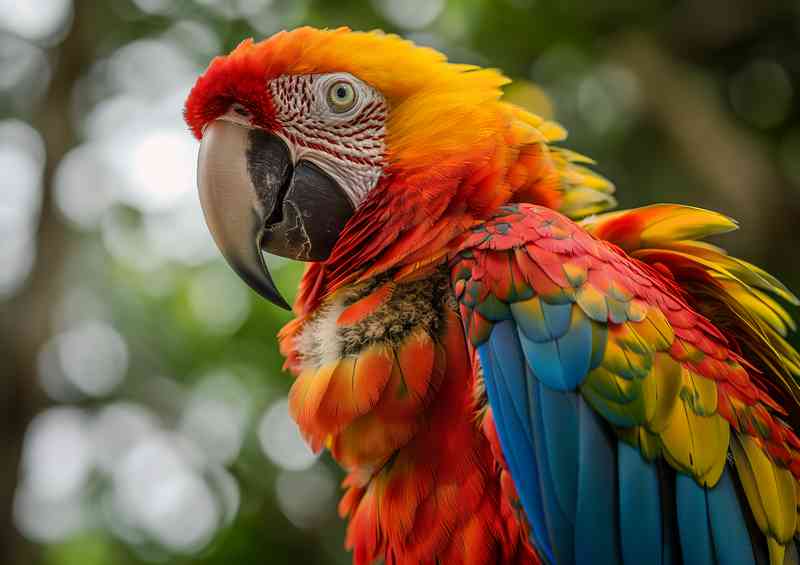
column 255, row 198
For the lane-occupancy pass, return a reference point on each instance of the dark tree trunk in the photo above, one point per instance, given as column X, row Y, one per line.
column 25, row 319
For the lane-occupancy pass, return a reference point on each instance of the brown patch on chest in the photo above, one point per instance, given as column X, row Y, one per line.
column 409, row 307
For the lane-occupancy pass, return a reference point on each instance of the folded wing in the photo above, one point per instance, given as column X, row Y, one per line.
column 618, row 403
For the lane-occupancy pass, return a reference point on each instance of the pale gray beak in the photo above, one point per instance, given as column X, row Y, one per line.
column 253, row 198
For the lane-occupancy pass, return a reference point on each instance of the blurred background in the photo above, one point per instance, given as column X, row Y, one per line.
column 144, row 413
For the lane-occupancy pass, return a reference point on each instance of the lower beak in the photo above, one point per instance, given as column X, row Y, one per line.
column 254, row 198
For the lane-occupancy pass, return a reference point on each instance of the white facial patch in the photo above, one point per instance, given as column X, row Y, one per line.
column 337, row 122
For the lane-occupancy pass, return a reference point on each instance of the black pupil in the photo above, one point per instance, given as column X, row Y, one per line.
column 241, row 111
column 341, row 92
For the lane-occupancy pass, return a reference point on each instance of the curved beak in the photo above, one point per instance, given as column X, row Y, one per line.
column 253, row 198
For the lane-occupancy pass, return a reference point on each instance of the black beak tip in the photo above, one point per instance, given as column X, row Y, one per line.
column 276, row 298
column 279, row 301
column 263, row 284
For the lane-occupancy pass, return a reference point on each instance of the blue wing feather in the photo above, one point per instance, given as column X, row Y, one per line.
column 516, row 446
column 639, row 507
column 670, row 541
column 510, row 368
column 731, row 538
column 575, row 351
column 693, row 522
column 545, row 362
column 559, row 525
column 597, row 522
column 556, row 318
column 559, row 412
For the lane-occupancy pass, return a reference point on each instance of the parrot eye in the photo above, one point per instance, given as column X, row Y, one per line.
column 341, row 96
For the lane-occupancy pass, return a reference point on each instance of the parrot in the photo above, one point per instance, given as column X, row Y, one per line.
column 507, row 368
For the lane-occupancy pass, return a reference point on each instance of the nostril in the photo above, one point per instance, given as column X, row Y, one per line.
column 241, row 110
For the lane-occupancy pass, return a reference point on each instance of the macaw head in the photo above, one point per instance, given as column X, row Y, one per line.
column 359, row 152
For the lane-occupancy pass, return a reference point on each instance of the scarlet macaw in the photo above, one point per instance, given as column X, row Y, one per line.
column 501, row 383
